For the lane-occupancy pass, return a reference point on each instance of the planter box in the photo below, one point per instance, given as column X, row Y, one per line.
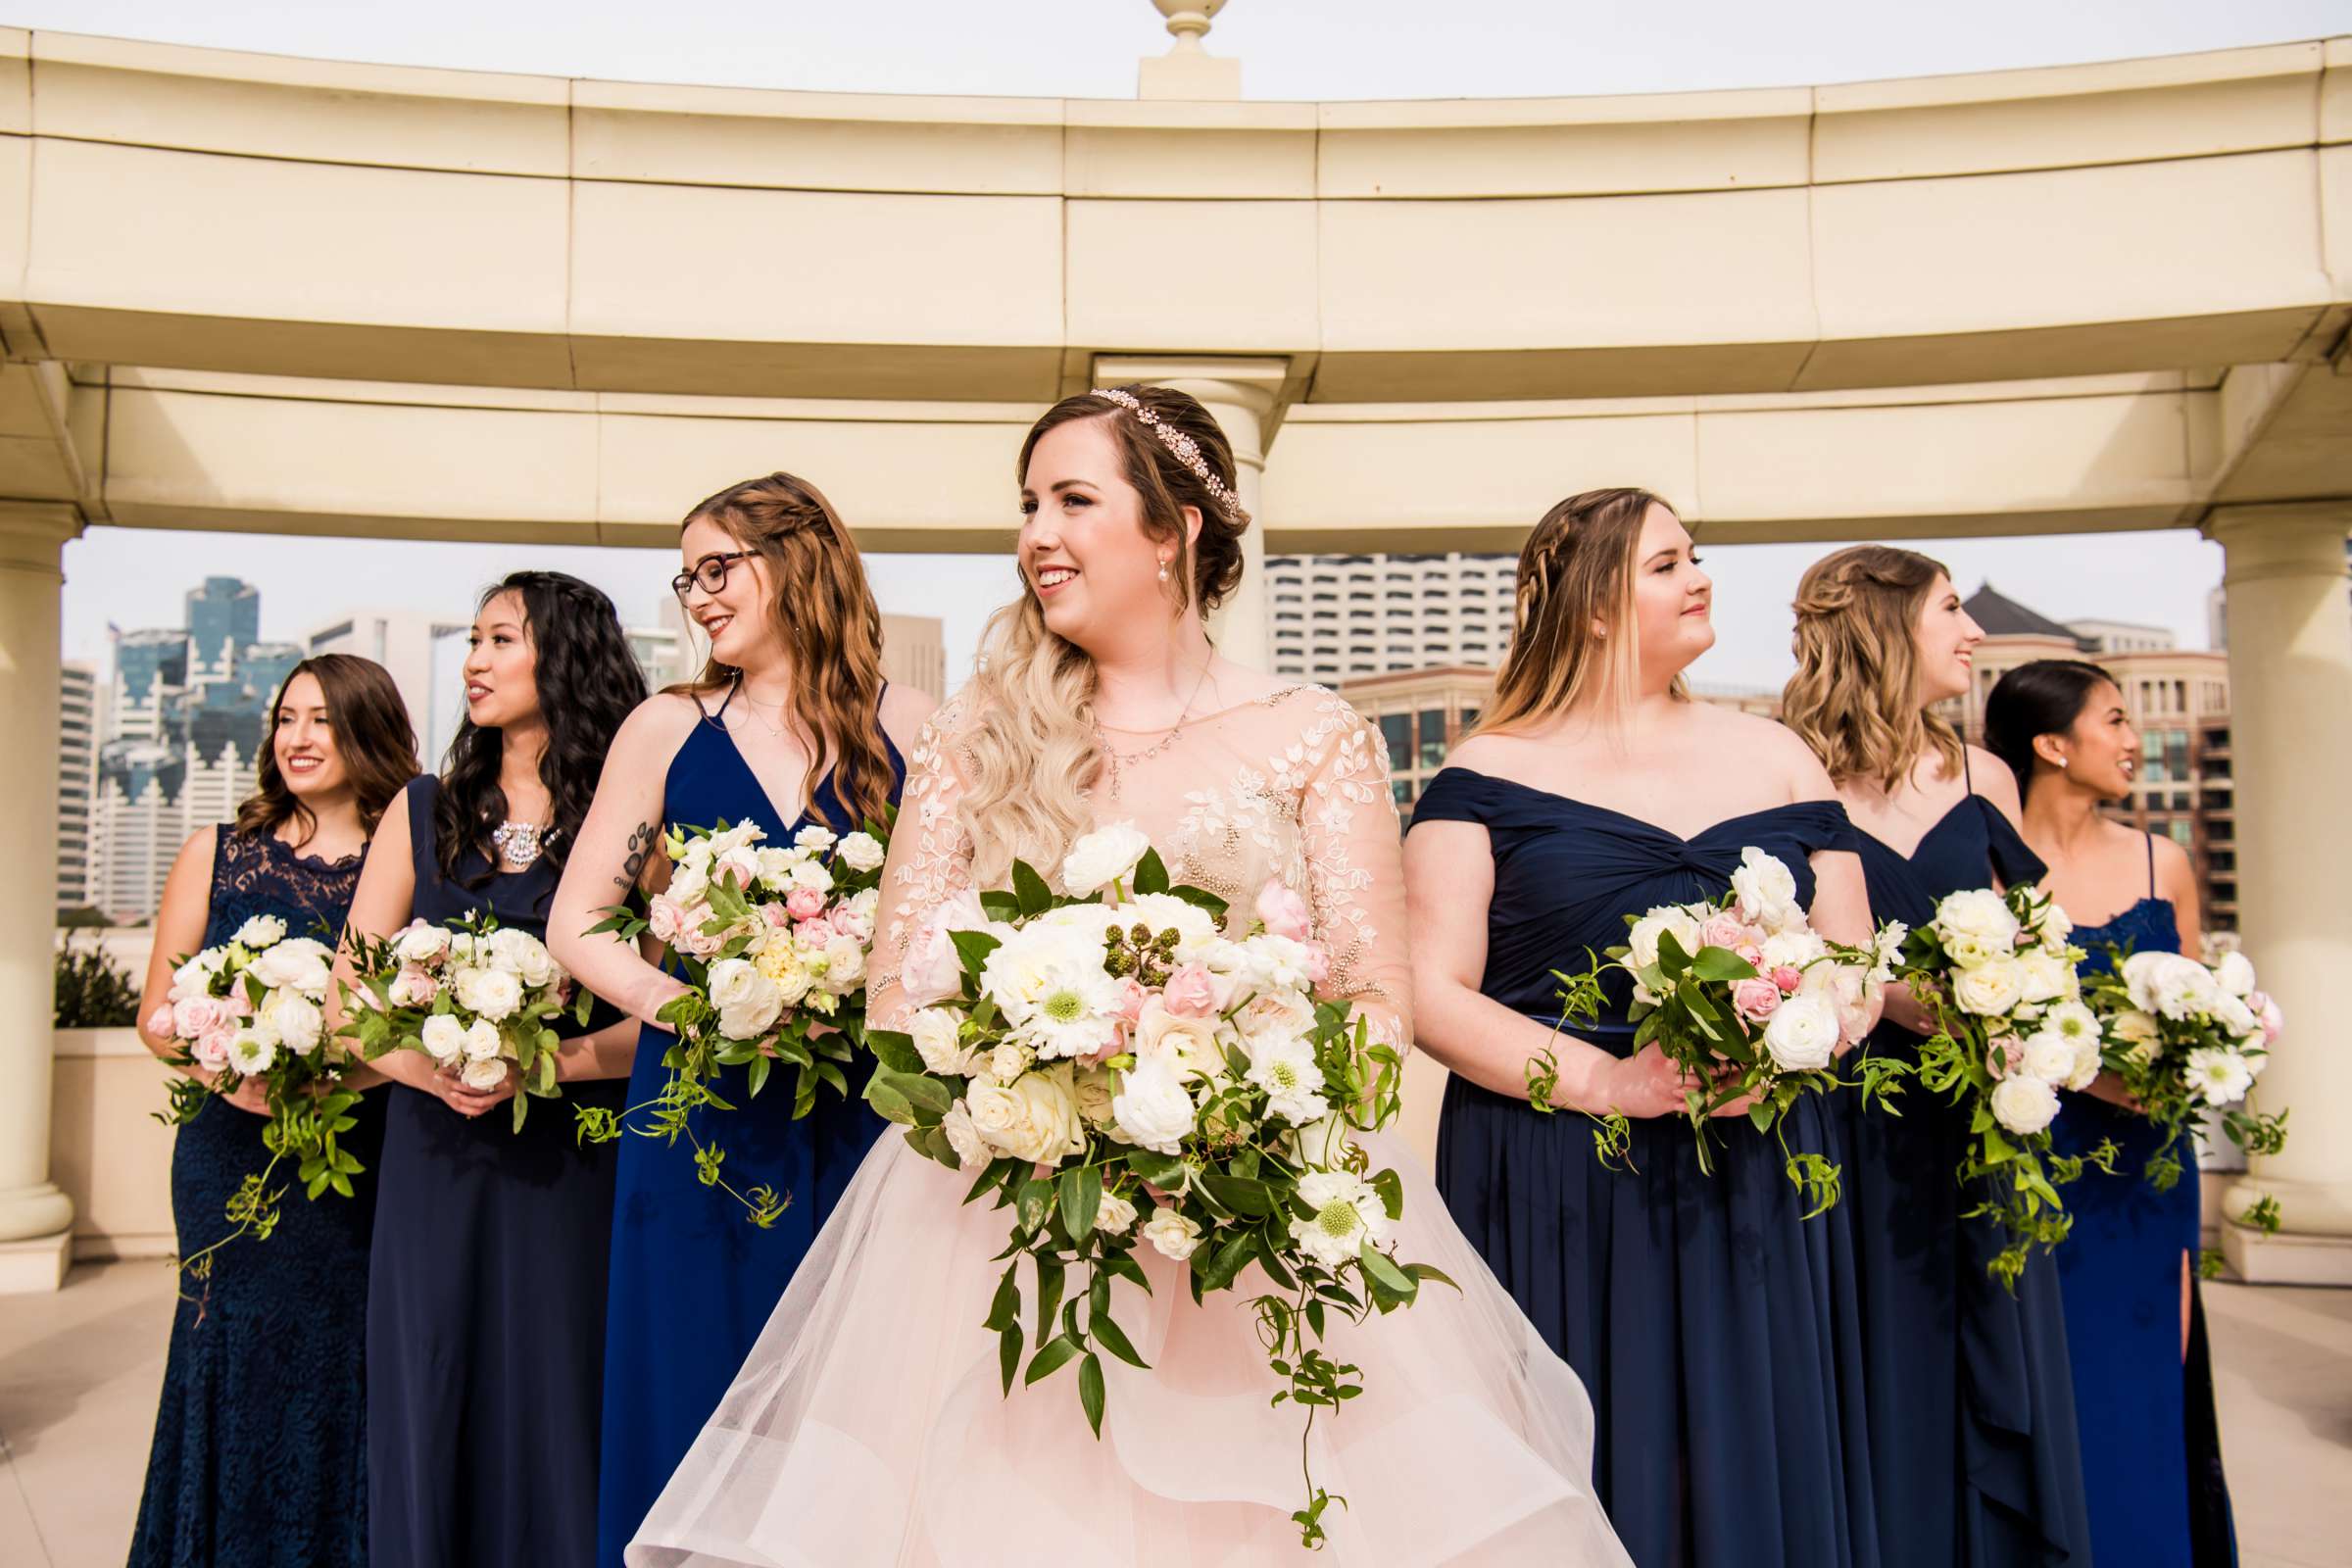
column 107, row 1151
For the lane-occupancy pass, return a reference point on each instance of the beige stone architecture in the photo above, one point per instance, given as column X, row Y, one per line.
column 297, row 296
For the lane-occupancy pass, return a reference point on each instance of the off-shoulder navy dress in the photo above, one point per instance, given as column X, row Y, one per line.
column 1974, row 1452
column 2151, row 1450
column 693, row 1283
column 486, row 1298
column 260, row 1448
column 1712, row 1325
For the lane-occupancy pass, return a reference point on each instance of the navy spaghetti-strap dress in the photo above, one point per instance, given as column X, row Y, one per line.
column 693, row 1283
column 260, row 1458
column 2151, row 1450
column 486, row 1295
column 1711, row 1324
column 1974, row 1453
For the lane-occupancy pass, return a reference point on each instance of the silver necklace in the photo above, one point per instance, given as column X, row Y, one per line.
column 752, row 706
column 1117, row 760
column 518, row 843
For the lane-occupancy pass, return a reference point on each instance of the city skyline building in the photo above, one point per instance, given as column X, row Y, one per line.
column 407, row 642
column 81, row 721
column 1342, row 617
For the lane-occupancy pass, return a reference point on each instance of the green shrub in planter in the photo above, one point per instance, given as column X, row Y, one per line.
column 92, row 990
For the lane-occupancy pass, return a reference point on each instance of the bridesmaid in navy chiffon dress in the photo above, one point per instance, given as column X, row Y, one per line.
column 692, row 1283
column 2143, row 1380
column 486, row 1307
column 260, row 1451
column 1710, row 1322
column 1974, row 1452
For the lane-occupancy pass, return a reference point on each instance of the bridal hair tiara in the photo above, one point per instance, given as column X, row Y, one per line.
column 1187, row 451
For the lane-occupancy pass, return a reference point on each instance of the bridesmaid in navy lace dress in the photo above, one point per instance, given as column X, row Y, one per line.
column 1710, row 1322
column 486, row 1307
column 2143, row 1381
column 1974, row 1456
column 791, row 726
column 260, row 1452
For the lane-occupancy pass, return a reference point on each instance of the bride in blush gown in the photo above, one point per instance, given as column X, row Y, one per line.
column 867, row 1426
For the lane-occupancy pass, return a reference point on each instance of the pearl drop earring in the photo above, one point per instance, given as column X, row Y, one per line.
column 1164, row 571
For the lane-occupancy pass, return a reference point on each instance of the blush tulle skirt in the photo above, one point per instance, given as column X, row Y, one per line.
column 867, row 1426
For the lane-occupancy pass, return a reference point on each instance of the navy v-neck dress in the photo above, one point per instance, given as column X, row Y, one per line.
column 693, row 1283
column 1974, row 1453
column 1712, row 1325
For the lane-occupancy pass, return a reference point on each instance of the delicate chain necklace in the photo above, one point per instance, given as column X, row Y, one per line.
column 751, row 704
column 518, row 843
column 1117, row 760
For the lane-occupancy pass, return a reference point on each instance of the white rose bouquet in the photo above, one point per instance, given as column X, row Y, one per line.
column 773, row 943
column 251, row 1009
column 1114, row 1070
column 480, row 998
column 1749, row 999
column 2186, row 1039
column 1996, row 974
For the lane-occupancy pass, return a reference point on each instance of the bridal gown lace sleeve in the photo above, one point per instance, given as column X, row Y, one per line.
column 867, row 1426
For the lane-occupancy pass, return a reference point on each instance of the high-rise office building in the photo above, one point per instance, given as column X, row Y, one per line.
column 79, row 720
column 224, row 618
column 1340, row 617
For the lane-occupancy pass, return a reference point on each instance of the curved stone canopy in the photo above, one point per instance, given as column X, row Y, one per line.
column 255, row 292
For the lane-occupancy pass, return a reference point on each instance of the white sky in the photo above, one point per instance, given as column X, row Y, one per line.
column 1290, row 49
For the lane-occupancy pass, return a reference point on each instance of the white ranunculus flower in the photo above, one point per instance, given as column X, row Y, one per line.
column 1116, row 1216
column 2046, row 976
column 2050, row 1057
column 1347, row 1213
column 814, row 839
column 295, row 964
column 1151, row 1107
column 845, row 965
column 971, row 1149
column 1792, row 950
column 194, row 978
column 775, row 869
column 484, row 1073
column 861, row 851
column 1035, row 1117
column 813, row 874
column 1643, row 939
column 1194, row 926
column 298, row 1022
column 934, row 1032
column 1766, row 891
column 2087, row 1062
column 688, row 885
column 1990, row 990
column 444, row 1038
column 489, row 993
column 732, row 982
column 261, row 931
column 2167, row 983
column 1803, row 1033
column 250, row 1050
column 2234, row 1015
column 1980, row 916
column 2236, row 972
column 2218, row 1077
column 1173, row 1236
column 481, row 1040
column 2024, row 1104
column 522, row 954
column 756, row 1012
column 1103, row 857
column 1286, row 1070
column 421, row 944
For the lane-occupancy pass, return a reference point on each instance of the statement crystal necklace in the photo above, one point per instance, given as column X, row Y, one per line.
column 518, row 843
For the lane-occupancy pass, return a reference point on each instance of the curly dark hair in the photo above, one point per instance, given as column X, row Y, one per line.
column 587, row 681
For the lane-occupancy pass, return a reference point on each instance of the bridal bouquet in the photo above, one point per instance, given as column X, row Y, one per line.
column 1995, row 972
column 253, row 1010
column 772, row 941
column 480, row 998
column 1113, row 1070
column 2186, row 1039
column 1749, row 999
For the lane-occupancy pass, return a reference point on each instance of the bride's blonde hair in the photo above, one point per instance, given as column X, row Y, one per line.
column 1029, row 746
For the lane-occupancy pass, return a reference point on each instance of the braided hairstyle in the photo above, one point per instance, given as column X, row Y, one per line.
column 587, row 683
column 822, row 614
column 1855, row 696
column 1576, row 570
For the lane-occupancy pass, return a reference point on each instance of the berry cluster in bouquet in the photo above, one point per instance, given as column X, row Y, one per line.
column 1114, row 1070
column 2186, row 1039
column 1996, row 975
column 1749, row 1001
column 773, row 943
column 481, row 999
column 253, row 1010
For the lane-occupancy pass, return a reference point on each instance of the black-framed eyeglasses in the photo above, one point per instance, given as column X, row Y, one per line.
column 711, row 572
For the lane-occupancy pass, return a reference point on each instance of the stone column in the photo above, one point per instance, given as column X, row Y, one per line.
column 2290, row 696
column 37, row 1220
column 1240, row 394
